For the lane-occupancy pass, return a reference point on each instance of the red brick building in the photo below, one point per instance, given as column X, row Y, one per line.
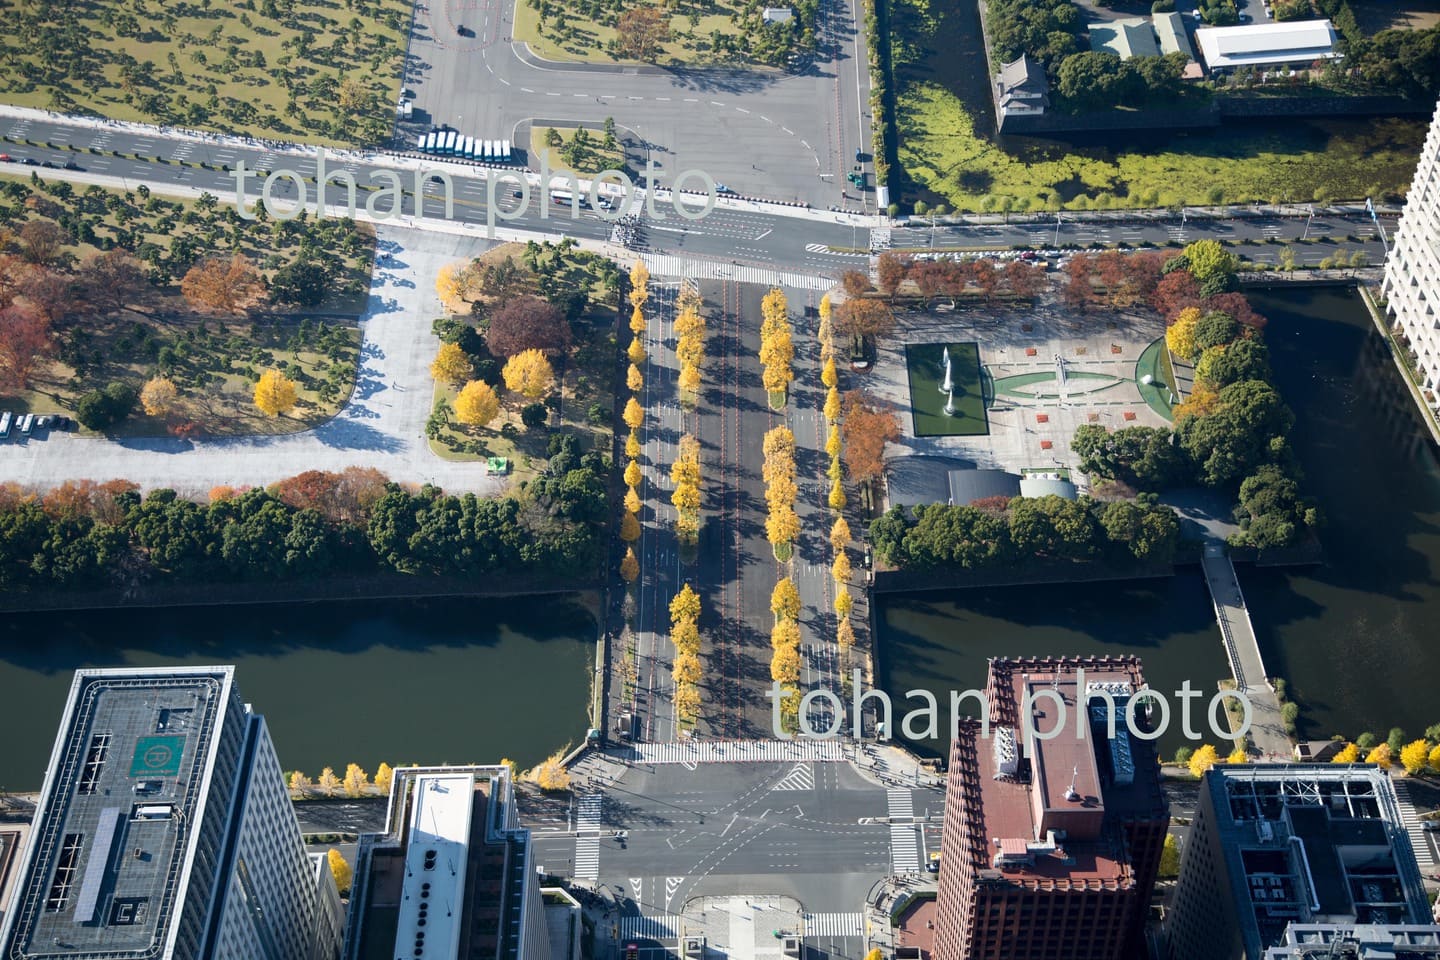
column 1051, row 846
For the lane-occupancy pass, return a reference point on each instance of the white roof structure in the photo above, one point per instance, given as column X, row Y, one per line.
column 1266, row 44
column 435, row 861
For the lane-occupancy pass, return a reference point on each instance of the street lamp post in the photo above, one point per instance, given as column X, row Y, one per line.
column 1058, row 221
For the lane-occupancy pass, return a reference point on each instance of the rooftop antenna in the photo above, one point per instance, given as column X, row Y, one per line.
column 1070, row 792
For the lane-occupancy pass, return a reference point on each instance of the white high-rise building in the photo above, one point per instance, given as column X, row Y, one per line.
column 1412, row 273
column 164, row 831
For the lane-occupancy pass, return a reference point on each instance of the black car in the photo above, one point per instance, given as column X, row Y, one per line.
column 464, row 31
column 47, row 163
column 71, row 165
column 30, row 162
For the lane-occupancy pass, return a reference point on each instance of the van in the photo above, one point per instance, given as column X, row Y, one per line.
column 27, row 422
column 5, row 424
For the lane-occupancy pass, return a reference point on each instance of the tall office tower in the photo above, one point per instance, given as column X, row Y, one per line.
column 1412, row 271
column 1051, row 846
column 452, row 877
column 164, row 830
column 1320, row 846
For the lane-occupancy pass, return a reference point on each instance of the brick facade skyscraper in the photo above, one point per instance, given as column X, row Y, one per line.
column 1050, row 847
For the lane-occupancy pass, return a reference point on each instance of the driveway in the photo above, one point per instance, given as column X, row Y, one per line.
column 381, row 427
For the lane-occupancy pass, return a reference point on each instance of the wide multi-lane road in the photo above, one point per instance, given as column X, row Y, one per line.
column 756, row 234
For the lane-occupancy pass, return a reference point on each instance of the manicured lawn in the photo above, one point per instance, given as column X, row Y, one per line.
column 1154, row 362
column 585, row 39
column 925, row 365
column 597, row 160
column 1319, row 160
column 271, row 68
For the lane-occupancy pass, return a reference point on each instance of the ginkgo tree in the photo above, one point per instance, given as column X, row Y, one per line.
column 529, row 374
column 689, row 343
column 777, row 347
column 476, row 405
column 685, row 475
column 275, row 393
column 685, row 668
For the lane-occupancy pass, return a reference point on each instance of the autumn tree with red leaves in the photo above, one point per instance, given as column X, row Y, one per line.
column 867, row 427
column 224, row 286
column 528, row 323
column 25, row 344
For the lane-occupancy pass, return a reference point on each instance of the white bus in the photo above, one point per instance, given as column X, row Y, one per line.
column 504, row 151
column 427, row 143
column 471, row 148
column 452, row 142
column 420, row 142
column 492, row 151
column 563, row 197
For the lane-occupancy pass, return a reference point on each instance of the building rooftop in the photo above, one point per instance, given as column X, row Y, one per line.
column 1131, row 37
column 1023, row 79
column 125, row 790
column 433, row 888
column 1266, row 44
column 1319, row 843
column 1170, row 30
column 1055, row 818
column 447, row 827
column 1357, row 942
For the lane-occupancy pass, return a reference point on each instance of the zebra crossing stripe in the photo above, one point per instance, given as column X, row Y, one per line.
column 834, row 924
column 666, row 927
column 587, row 849
column 668, row 265
column 904, row 844
column 800, row 777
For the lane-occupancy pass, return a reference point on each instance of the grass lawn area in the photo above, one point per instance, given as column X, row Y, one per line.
column 597, row 159
column 925, row 365
column 586, row 39
column 212, row 360
column 1155, row 362
column 1315, row 160
column 311, row 70
column 213, row 369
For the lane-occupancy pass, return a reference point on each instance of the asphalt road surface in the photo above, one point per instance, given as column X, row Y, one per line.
column 760, row 829
column 756, row 130
column 750, row 234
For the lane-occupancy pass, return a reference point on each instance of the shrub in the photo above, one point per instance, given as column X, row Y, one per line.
column 102, row 409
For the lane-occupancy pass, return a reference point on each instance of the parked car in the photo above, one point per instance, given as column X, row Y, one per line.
column 4, row 158
column 1432, row 825
column 71, row 165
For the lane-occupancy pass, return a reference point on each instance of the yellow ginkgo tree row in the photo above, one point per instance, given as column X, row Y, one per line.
column 777, row 347
column 634, row 417
column 685, row 474
column 782, row 524
column 685, row 669
column 689, row 343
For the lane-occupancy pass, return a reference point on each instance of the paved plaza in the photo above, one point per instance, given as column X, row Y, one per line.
column 1034, row 413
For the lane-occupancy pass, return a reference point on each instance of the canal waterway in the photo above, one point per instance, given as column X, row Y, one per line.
column 1355, row 637
column 403, row 681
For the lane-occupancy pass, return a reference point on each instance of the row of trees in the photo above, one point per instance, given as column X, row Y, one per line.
column 982, row 279
column 528, row 374
column 318, row 523
column 777, row 347
column 634, row 417
column 685, row 669
column 782, row 524
column 997, row 531
column 355, row 783
column 689, row 343
column 685, row 475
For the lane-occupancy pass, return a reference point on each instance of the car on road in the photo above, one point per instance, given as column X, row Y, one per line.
column 71, row 165
column 49, row 164
column 933, row 864
column 1244, row 18
column 1432, row 826
column 721, row 188
column 30, row 162
column 464, row 31
column 5, row 158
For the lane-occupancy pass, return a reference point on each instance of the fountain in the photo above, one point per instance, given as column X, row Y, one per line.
column 947, row 385
column 950, row 403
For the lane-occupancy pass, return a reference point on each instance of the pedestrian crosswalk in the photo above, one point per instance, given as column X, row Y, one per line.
column 587, row 848
column 904, row 843
column 800, row 777
column 734, row 751
column 1414, row 826
column 669, row 265
column 666, row 927
column 834, row 924
column 880, row 238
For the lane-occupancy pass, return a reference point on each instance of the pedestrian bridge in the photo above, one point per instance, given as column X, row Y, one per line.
column 1242, row 650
